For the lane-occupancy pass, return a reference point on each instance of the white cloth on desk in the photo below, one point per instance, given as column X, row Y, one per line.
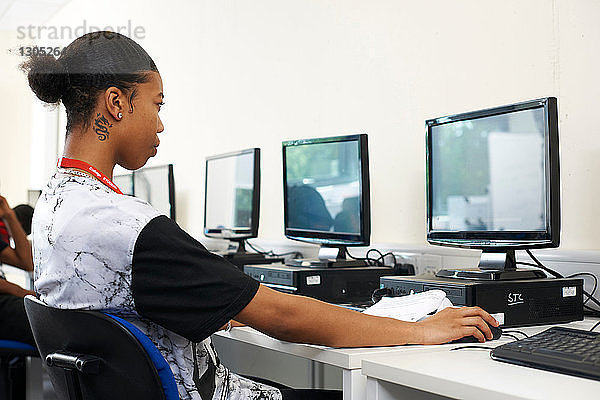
column 411, row 308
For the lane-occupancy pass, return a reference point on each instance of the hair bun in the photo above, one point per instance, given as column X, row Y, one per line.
column 47, row 77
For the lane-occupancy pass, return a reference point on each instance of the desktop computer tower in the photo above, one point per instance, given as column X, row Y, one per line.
column 239, row 260
column 335, row 285
column 513, row 303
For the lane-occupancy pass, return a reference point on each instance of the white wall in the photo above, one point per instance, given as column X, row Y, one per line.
column 240, row 74
column 15, row 125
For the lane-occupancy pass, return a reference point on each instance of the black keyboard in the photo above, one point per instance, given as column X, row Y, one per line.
column 564, row 350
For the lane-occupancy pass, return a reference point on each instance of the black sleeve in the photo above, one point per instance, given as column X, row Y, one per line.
column 183, row 287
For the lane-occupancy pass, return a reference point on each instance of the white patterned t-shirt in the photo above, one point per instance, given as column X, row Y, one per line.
column 95, row 249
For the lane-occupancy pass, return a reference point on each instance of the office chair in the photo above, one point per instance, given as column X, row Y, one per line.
column 12, row 368
column 96, row 356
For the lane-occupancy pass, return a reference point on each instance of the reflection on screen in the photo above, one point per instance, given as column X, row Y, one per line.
column 229, row 192
column 124, row 183
column 323, row 187
column 33, row 196
column 488, row 173
column 152, row 185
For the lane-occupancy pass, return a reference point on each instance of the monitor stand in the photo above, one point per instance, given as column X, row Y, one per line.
column 494, row 266
column 340, row 261
column 241, row 257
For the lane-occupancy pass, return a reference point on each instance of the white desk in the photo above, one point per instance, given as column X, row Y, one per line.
column 348, row 359
column 469, row 374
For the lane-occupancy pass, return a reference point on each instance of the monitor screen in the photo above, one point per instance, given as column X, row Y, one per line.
column 124, row 182
column 33, row 196
column 326, row 190
column 232, row 189
column 491, row 176
column 156, row 186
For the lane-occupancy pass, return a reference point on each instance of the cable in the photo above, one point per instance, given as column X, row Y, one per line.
column 255, row 249
column 514, row 331
column 378, row 294
column 593, row 299
column 540, row 265
column 372, row 261
column 354, row 258
column 589, row 296
column 472, row 347
column 510, row 336
column 526, row 263
column 557, row 275
column 367, row 259
column 591, row 311
column 595, row 283
column 271, row 252
column 381, row 260
column 595, row 326
column 376, row 251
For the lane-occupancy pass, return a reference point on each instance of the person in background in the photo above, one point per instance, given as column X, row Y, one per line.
column 24, row 214
column 15, row 223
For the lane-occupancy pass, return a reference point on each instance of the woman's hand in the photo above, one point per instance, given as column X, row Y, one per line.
column 5, row 209
column 454, row 323
column 7, row 287
column 25, row 292
column 20, row 256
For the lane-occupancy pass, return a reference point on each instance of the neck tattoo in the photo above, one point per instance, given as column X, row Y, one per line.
column 101, row 126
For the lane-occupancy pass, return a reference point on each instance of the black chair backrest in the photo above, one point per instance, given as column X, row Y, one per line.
column 111, row 362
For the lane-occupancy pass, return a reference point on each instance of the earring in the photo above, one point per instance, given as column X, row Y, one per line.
column 120, row 115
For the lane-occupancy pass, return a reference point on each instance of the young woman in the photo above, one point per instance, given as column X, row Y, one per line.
column 13, row 320
column 97, row 249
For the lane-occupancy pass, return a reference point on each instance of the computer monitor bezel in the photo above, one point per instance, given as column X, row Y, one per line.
column 170, row 183
column 128, row 175
column 498, row 241
column 231, row 233
column 333, row 239
column 35, row 193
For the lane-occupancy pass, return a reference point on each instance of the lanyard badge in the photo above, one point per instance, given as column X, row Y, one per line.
column 64, row 162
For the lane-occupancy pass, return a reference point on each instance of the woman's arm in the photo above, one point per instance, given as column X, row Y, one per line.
column 302, row 319
column 20, row 256
column 7, row 287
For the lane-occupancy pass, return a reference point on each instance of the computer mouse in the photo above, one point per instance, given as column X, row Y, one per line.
column 496, row 333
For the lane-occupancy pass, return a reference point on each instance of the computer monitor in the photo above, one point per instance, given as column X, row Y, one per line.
column 232, row 195
column 493, row 183
column 156, row 185
column 124, row 182
column 232, row 203
column 326, row 196
column 32, row 196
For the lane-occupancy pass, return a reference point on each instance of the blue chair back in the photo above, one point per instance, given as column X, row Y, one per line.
column 90, row 355
column 13, row 347
column 12, row 368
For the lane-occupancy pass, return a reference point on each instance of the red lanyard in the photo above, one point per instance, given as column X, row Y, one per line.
column 64, row 162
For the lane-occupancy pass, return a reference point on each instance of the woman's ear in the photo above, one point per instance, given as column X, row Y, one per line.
column 115, row 102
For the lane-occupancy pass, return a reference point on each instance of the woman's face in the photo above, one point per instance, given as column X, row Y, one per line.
column 140, row 124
